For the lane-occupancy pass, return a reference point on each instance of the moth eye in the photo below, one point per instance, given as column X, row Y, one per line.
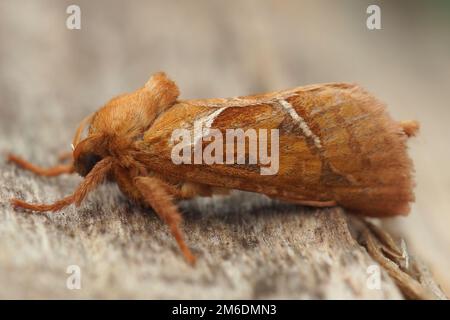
column 86, row 162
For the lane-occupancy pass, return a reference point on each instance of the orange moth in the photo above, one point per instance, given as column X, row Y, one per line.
column 336, row 146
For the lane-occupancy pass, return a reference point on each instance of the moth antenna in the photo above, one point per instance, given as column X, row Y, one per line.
column 94, row 178
column 158, row 197
column 79, row 131
column 410, row 127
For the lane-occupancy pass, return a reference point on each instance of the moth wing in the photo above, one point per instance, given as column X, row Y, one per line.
column 336, row 142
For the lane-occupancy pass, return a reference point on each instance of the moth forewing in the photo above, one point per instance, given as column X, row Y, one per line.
column 336, row 143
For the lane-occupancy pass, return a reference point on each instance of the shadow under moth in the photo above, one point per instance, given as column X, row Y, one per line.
column 337, row 147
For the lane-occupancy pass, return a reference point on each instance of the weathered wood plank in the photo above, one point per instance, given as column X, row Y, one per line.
column 248, row 247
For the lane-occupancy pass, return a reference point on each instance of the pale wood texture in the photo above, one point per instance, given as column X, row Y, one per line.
column 248, row 246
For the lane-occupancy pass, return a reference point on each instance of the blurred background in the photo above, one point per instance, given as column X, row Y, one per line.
column 52, row 77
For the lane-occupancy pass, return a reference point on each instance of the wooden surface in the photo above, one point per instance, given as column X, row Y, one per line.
column 248, row 246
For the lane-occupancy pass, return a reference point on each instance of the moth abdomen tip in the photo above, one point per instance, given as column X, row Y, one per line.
column 410, row 127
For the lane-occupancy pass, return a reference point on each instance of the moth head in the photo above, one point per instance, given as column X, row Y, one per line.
column 121, row 121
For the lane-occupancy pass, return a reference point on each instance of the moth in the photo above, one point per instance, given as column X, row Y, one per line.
column 337, row 147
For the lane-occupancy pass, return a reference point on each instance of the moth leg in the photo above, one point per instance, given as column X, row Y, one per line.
column 156, row 194
column 190, row 190
column 46, row 172
column 94, row 178
column 319, row 204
